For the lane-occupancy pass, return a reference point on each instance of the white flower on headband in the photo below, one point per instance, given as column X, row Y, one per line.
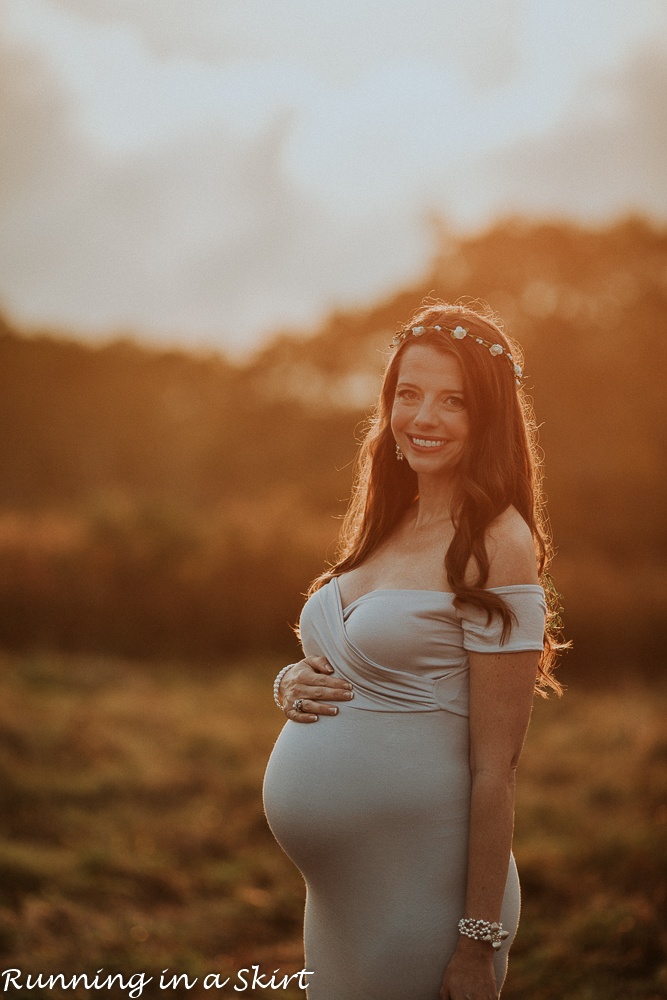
column 460, row 333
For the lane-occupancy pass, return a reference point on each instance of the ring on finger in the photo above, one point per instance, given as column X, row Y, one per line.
column 298, row 705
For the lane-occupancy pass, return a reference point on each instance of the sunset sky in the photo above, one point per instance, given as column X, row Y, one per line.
column 205, row 173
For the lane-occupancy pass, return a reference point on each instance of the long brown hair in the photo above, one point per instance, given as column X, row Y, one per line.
column 501, row 467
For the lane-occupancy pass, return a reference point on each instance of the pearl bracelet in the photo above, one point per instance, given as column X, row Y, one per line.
column 482, row 930
column 276, row 685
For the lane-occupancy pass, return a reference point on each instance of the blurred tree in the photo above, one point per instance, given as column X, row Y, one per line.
column 201, row 496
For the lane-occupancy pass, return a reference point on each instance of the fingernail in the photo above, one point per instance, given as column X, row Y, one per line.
column 329, row 668
column 335, row 711
column 349, row 694
column 348, row 686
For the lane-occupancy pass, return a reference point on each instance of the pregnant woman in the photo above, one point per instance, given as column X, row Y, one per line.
column 429, row 632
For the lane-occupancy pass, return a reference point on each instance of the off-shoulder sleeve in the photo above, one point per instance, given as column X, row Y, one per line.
column 527, row 603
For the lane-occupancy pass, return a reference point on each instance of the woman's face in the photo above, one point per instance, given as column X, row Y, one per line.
column 429, row 419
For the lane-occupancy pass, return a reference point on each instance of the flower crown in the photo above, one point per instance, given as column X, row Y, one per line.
column 460, row 333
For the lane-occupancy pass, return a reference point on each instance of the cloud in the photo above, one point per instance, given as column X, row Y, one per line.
column 605, row 157
column 200, row 241
column 213, row 201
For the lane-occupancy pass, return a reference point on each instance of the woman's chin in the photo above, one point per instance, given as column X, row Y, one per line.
column 437, row 462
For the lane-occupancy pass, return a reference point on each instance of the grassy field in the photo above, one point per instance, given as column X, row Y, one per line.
column 132, row 837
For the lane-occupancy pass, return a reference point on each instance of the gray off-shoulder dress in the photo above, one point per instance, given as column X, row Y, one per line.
column 373, row 804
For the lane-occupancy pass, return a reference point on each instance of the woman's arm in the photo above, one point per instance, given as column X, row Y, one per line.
column 311, row 680
column 501, row 696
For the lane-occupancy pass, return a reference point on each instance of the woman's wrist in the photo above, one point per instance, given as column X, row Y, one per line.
column 474, row 951
column 483, row 930
column 276, row 685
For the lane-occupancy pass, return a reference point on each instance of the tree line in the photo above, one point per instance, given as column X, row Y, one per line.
column 170, row 503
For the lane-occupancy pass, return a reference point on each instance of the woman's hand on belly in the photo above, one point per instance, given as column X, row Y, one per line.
column 311, row 681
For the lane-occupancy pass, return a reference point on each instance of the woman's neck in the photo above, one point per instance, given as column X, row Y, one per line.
column 435, row 500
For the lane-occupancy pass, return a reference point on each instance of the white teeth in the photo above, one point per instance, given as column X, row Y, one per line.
column 426, row 443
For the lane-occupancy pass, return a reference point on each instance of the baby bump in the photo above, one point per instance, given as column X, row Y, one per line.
column 374, row 808
column 381, row 779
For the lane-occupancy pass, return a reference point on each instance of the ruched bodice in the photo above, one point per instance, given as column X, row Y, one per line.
column 407, row 650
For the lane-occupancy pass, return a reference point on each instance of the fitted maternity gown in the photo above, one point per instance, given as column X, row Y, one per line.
column 373, row 804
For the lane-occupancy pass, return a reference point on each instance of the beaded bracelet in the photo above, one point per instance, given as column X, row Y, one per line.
column 276, row 685
column 482, row 930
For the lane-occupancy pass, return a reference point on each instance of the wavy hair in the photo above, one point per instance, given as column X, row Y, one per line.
column 501, row 467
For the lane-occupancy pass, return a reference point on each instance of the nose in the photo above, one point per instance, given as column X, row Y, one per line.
column 426, row 416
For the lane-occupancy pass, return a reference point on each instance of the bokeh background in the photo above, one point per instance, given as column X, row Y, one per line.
column 214, row 216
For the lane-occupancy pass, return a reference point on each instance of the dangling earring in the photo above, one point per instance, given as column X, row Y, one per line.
column 399, row 454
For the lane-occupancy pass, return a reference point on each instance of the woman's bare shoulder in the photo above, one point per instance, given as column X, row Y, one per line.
column 509, row 543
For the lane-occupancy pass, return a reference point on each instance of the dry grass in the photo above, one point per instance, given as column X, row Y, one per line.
column 591, row 849
column 132, row 836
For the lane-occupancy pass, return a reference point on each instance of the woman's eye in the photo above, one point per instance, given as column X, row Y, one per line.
column 456, row 402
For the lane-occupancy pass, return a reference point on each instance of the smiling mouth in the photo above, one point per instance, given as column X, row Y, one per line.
column 427, row 442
